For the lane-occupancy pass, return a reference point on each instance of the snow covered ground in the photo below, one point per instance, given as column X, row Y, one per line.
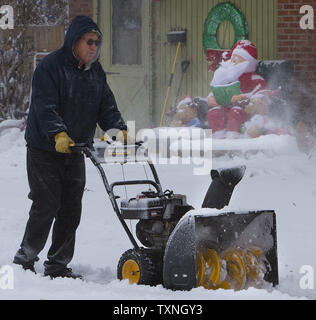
column 285, row 182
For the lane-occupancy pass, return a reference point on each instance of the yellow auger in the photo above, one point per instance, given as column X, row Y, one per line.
column 234, row 268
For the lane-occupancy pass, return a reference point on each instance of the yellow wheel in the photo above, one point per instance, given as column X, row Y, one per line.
column 235, row 267
column 131, row 271
column 143, row 266
column 213, row 269
column 200, row 269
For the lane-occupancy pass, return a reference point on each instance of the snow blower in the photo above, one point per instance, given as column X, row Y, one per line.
column 182, row 247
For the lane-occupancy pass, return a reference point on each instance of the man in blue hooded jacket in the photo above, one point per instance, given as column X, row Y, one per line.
column 70, row 96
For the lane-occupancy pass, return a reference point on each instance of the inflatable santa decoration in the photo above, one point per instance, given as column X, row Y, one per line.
column 239, row 67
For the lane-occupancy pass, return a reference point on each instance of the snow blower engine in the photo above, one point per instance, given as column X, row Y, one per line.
column 183, row 247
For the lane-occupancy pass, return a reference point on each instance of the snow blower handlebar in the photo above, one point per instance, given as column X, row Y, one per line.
column 86, row 150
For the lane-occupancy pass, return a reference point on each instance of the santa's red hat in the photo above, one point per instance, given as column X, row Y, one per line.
column 247, row 50
column 185, row 100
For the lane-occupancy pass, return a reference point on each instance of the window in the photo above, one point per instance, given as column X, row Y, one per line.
column 126, row 32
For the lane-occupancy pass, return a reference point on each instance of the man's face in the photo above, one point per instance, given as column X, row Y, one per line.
column 85, row 48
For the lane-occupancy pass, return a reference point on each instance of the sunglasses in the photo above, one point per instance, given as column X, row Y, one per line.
column 90, row 42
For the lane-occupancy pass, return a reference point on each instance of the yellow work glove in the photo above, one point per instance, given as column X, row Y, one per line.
column 63, row 142
column 105, row 138
column 124, row 138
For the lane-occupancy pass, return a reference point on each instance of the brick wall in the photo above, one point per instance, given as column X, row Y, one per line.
column 294, row 43
column 80, row 7
column 299, row 46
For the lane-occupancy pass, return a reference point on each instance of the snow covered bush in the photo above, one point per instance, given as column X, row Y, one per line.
column 17, row 49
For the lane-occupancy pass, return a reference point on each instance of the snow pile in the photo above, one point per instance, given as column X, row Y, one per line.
column 284, row 183
column 11, row 140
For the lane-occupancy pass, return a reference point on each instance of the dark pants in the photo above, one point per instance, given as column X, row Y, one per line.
column 56, row 188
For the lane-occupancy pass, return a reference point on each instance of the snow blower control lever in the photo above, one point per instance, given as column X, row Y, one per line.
column 183, row 247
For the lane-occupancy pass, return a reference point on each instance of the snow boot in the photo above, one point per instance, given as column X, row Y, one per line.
column 63, row 273
column 21, row 259
column 27, row 266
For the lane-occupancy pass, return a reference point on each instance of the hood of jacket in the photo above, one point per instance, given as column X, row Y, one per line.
column 78, row 27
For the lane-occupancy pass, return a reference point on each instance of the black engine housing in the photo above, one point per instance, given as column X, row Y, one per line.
column 157, row 216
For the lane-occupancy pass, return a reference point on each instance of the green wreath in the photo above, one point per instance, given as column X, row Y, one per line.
column 223, row 11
